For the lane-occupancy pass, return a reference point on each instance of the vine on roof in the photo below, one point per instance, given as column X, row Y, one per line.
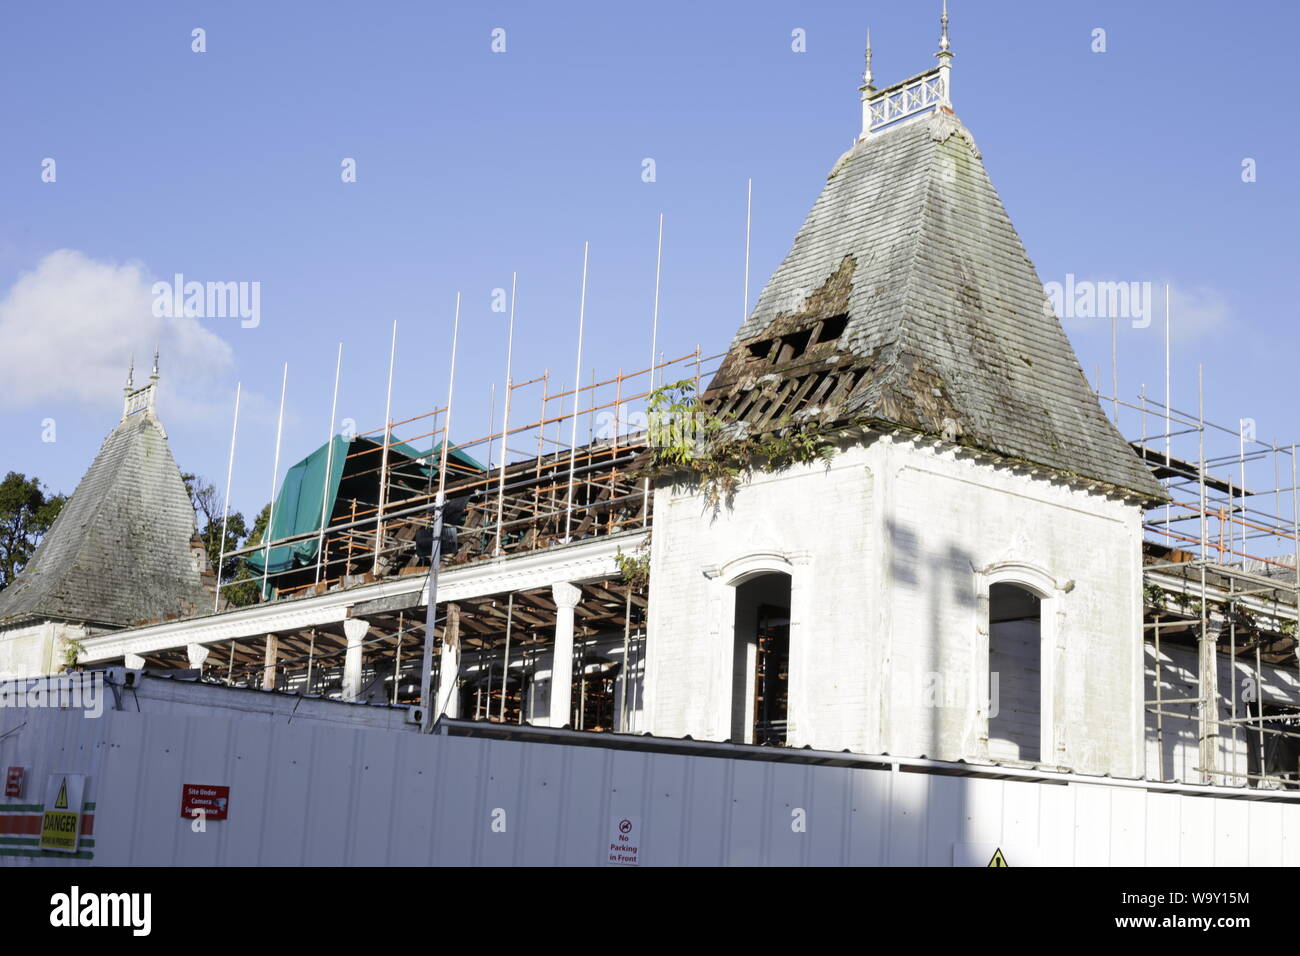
column 634, row 568
column 72, row 649
column 719, row 451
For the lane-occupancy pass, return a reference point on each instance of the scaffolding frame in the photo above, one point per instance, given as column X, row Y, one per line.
column 536, row 491
column 542, row 492
column 1221, row 564
column 506, row 633
column 1221, row 580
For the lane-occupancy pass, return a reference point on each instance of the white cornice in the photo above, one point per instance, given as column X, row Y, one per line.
column 582, row 561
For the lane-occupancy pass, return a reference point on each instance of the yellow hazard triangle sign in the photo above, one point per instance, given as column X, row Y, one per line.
column 61, row 817
column 998, row 858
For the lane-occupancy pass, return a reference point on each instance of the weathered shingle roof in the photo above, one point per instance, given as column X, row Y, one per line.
column 119, row 551
column 908, row 299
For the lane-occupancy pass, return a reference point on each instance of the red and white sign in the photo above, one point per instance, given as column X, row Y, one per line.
column 209, row 802
column 625, row 842
column 14, row 781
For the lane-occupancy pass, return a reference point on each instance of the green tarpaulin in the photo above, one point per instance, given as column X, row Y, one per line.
column 306, row 486
column 298, row 507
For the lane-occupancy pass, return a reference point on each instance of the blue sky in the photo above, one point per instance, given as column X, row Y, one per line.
column 225, row 166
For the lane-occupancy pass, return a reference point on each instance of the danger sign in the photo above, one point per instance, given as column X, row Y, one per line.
column 995, row 855
column 204, row 800
column 61, row 821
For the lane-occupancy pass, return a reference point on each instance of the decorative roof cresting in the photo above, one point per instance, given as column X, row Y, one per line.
column 912, row 98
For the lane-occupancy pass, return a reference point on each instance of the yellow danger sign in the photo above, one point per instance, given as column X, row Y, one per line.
column 61, row 821
column 998, row 858
column 59, row 831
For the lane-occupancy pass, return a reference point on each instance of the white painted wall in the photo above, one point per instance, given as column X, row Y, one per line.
column 36, row 649
column 892, row 549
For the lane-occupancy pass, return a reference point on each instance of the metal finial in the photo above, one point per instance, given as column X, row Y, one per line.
column 155, row 361
column 943, row 35
column 866, row 76
column 130, row 372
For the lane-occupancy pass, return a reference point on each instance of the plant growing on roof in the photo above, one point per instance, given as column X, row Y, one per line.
column 719, row 451
column 1241, row 616
column 72, row 649
column 634, row 568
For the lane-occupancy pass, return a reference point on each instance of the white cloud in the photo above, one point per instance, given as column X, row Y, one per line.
column 69, row 327
column 1197, row 311
column 1194, row 311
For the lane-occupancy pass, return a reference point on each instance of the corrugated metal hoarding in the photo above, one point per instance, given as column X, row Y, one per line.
column 307, row 787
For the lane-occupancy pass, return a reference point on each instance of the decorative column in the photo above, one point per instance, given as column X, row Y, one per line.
column 1208, row 709
column 268, row 662
column 355, row 629
column 197, row 654
column 566, row 598
column 449, row 666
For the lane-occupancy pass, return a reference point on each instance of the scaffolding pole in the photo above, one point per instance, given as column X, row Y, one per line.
column 225, row 507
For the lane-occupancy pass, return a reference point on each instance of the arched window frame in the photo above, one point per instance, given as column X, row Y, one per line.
column 725, row 579
column 1041, row 584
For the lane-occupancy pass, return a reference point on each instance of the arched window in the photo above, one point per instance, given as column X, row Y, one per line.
column 1015, row 706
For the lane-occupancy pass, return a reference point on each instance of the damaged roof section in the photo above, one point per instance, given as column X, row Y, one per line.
column 908, row 300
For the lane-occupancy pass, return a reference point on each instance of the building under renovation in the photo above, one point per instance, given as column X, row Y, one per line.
column 892, row 518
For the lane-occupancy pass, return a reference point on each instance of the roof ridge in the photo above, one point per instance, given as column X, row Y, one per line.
column 906, row 300
column 96, row 505
column 130, row 438
column 940, row 127
column 88, row 518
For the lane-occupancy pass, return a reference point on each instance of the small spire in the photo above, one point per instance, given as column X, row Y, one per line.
column 130, row 373
column 866, row 76
column 154, row 376
column 945, row 60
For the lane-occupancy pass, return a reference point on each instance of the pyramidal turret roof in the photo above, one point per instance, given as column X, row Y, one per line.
column 120, row 550
column 908, row 301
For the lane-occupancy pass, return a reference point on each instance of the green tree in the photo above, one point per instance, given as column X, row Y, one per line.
column 207, row 512
column 26, row 513
column 259, row 525
column 208, row 518
column 238, row 584
column 245, row 587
